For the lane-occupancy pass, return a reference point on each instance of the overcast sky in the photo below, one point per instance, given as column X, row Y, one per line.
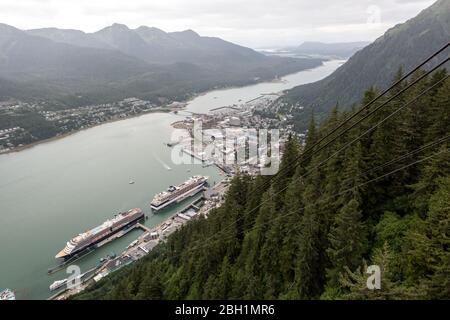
column 253, row 23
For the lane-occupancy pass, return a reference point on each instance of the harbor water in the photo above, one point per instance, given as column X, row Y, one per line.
column 51, row 192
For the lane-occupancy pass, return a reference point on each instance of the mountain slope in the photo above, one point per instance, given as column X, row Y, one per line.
column 404, row 46
column 26, row 58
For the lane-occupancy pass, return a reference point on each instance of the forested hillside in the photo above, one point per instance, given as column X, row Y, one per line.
column 379, row 196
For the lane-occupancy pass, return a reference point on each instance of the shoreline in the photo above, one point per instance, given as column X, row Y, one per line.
column 68, row 134
column 162, row 110
column 273, row 80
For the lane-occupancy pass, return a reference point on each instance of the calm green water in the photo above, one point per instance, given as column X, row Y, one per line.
column 227, row 97
column 51, row 192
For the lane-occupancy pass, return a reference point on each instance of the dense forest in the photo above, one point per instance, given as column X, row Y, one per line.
column 378, row 195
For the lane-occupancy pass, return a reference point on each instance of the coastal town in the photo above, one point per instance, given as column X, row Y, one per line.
column 258, row 113
column 60, row 122
column 237, row 137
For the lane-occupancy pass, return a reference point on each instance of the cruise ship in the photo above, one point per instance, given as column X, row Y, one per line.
column 178, row 193
column 102, row 232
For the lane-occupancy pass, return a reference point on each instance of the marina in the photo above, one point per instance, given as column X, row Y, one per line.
column 140, row 247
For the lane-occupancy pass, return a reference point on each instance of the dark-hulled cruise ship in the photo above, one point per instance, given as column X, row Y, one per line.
column 102, row 232
column 178, row 193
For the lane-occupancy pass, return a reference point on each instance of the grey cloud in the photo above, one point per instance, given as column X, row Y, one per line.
column 244, row 21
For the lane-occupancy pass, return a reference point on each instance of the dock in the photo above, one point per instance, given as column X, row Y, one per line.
column 143, row 227
column 259, row 97
column 192, row 154
column 92, row 248
column 143, row 244
column 70, row 260
column 225, row 107
column 83, row 278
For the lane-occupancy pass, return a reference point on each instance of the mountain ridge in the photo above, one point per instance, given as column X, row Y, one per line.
column 117, row 62
column 150, row 44
column 376, row 64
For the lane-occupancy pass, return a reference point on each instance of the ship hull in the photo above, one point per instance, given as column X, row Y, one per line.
column 93, row 244
column 180, row 198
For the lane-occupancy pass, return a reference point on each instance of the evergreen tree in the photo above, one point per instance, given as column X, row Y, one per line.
column 439, row 113
column 294, row 209
column 429, row 182
column 347, row 241
column 429, row 256
column 286, row 170
column 311, row 136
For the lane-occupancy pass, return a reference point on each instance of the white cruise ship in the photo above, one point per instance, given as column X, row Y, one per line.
column 178, row 193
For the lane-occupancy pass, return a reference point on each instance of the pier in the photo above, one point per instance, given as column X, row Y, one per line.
column 92, row 248
column 225, row 107
column 70, row 260
column 143, row 227
column 146, row 242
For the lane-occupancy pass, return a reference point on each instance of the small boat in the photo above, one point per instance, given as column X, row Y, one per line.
column 107, row 257
column 131, row 182
column 135, row 242
column 57, row 284
column 7, row 294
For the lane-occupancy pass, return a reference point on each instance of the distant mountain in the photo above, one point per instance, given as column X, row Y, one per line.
column 339, row 49
column 54, row 69
column 154, row 45
column 76, row 68
column 24, row 57
column 73, row 37
column 404, row 45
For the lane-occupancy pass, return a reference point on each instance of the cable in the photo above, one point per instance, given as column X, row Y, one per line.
column 284, row 215
column 294, row 162
column 365, row 107
column 381, row 122
column 369, row 104
column 354, row 140
column 386, row 164
column 207, row 242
